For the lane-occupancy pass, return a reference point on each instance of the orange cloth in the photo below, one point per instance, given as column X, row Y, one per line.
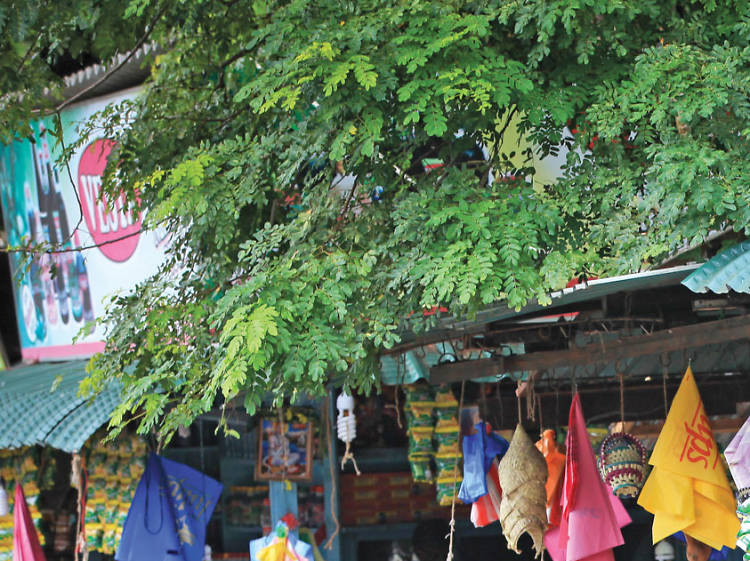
column 555, row 470
column 688, row 489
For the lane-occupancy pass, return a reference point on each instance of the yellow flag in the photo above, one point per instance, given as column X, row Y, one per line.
column 688, row 489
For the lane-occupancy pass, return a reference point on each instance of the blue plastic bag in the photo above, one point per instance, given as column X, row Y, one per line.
column 169, row 513
column 479, row 450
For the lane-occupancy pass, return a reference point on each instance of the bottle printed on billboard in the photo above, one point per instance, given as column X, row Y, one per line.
column 63, row 289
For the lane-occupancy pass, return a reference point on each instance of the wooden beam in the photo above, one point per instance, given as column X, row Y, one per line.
column 667, row 340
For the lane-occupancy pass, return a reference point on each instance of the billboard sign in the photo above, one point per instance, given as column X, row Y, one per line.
column 60, row 291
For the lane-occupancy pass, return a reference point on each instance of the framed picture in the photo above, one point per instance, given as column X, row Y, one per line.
column 284, row 450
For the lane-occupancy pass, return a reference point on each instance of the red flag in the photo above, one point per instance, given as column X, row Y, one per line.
column 25, row 540
column 592, row 516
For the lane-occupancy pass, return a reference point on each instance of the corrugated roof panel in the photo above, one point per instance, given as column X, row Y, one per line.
column 729, row 270
column 83, row 421
column 40, row 405
column 587, row 291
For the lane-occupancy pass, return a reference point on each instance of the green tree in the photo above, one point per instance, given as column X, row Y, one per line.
column 253, row 105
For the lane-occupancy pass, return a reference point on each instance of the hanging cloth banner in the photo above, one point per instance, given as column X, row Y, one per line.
column 688, row 489
column 25, row 539
column 738, row 459
column 591, row 515
column 169, row 513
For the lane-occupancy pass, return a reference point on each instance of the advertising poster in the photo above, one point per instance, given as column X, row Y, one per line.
column 60, row 292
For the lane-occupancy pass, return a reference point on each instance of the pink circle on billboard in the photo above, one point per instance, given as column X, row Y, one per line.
column 106, row 223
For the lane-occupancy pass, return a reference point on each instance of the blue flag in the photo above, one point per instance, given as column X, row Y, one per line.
column 168, row 516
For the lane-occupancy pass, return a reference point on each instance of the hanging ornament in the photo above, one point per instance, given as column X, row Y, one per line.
column 523, row 474
column 555, row 469
column 622, row 464
column 622, row 458
column 346, row 427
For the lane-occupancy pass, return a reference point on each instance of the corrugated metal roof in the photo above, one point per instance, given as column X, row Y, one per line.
column 40, row 405
column 129, row 72
column 451, row 327
column 417, row 366
column 729, row 270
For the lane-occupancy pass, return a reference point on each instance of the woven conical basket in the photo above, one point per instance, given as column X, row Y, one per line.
column 523, row 473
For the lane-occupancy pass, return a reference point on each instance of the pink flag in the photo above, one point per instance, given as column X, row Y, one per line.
column 25, row 540
column 592, row 515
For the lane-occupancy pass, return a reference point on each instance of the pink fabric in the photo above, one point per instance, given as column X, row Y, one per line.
column 25, row 540
column 592, row 515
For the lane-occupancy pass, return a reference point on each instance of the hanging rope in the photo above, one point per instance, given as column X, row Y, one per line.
column 331, row 453
column 349, row 455
column 401, row 374
column 398, row 407
column 530, row 397
column 483, row 410
column 78, row 481
column 664, row 359
column 284, row 446
column 518, row 400
column 500, row 402
column 622, row 402
column 455, row 477
column 541, row 421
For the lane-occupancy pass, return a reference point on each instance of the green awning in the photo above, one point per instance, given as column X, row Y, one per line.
column 39, row 404
column 728, row 270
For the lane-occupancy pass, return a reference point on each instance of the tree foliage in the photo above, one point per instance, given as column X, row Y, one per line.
column 277, row 279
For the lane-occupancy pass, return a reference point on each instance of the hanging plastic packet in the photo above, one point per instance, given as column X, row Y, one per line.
column 94, row 536
column 420, row 440
column 421, row 414
column 444, row 394
column 446, row 463
column 421, row 468
column 446, row 414
column 418, row 392
column 446, row 487
column 446, row 439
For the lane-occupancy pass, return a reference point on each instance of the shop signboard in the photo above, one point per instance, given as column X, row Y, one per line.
column 59, row 293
